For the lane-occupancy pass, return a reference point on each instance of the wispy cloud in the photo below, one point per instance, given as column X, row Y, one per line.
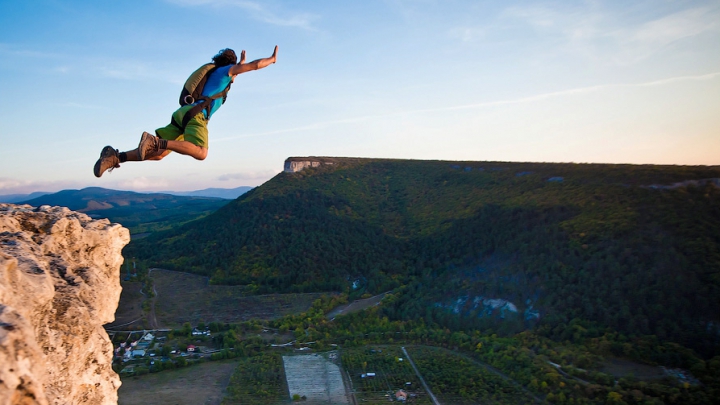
column 9, row 184
column 611, row 34
column 131, row 69
column 260, row 12
column 144, row 183
column 467, row 34
column 480, row 105
column 640, row 42
column 18, row 51
column 115, row 68
column 124, row 70
column 16, row 186
column 660, row 82
column 248, row 176
column 570, row 92
column 82, row 106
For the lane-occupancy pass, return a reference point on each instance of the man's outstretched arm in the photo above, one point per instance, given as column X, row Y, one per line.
column 243, row 67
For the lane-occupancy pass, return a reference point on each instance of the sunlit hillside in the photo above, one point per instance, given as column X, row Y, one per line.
column 492, row 246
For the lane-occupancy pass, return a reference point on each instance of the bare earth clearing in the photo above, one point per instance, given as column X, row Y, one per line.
column 130, row 306
column 356, row 306
column 199, row 384
column 183, row 297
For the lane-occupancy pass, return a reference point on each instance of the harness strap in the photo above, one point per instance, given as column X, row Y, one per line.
column 201, row 106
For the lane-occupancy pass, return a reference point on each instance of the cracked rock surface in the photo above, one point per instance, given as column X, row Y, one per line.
column 59, row 283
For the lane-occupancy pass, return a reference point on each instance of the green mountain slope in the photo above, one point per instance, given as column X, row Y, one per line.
column 577, row 248
column 137, row 211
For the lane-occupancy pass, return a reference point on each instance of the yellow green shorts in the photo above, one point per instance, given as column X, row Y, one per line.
column 195, row 132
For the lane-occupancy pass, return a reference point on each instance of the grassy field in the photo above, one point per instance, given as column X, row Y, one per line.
column 204, row 383
column 184, row 297
column 625, row 368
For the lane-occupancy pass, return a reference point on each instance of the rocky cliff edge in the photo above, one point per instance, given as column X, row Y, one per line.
column 59, row 283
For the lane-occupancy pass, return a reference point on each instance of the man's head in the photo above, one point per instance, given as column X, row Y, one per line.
column 225, row 57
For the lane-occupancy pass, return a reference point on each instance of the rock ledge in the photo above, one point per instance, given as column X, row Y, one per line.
column 59, row 283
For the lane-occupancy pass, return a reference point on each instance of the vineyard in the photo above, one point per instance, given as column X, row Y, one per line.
column 455, row 379
column 257, row 380
column 378, row 372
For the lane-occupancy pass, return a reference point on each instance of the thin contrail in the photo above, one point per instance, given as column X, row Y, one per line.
column 521, row 100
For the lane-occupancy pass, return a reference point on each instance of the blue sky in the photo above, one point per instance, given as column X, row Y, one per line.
column 541, row 81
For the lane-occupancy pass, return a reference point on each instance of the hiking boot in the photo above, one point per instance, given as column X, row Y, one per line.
column 148, row 145
column 109, row 160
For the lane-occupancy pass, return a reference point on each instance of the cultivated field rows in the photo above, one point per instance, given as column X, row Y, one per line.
column 316, row 377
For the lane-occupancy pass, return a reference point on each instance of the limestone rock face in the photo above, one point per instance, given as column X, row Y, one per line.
column 59, row 283
column 296, row 164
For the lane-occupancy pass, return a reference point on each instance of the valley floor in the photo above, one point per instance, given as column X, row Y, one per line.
column 204, row 383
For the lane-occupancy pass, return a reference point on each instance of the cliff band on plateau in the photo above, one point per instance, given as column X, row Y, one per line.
column 59, row 283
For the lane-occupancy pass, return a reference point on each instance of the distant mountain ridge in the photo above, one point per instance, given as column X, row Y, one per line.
column 226, row 193
column 16, row 198
column 141, row 212
column 533, row 243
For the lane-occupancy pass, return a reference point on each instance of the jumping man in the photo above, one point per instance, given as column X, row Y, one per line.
column 187, row 132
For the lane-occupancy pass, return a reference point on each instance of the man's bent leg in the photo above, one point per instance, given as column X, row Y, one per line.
column 191, row 141
column 169, row 138
column 188, row 148
column 153, row 146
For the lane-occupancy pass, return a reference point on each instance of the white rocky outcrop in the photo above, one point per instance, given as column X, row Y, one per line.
column 692, row 183
column 296, row 164
column 59, row 283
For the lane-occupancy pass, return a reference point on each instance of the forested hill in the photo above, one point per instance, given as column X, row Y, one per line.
column 633, row 248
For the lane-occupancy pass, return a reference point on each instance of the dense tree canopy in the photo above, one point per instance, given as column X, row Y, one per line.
column 634, row 249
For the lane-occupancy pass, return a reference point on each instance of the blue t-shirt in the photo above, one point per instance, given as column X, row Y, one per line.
column 216, row 82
